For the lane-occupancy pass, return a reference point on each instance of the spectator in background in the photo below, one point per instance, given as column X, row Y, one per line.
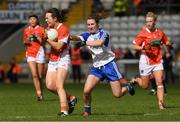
column 168, row 66
column 120, row 7
column 2, row 73
column 138, row 6
column 34, row 39
column 76, row 62
column 137, row 54
column 13, row 71
column 97, row 6
column 85, row 55
column 128, row 54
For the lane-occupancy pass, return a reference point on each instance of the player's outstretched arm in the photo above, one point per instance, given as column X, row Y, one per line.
column 95, row 43
column 74, row 38
column 79, row 43
column 165, row 48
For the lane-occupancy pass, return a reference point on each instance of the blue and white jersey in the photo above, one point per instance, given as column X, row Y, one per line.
column 101, row 55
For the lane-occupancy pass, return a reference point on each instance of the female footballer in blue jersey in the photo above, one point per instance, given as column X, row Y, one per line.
column 104, row 67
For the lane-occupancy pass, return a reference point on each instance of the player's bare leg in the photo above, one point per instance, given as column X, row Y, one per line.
column 119, row 91
column 160, row 88
column 40, row 67
column 51, row 86
column 116, row 89
column 35, row 78
column 51, row 81
column 61, row 77
column 91, row 82
column 142, row 81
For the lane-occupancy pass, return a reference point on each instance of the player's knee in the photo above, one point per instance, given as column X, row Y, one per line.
column 117, row 95
column 41, row 77
column 60, row 87
column 50, row 86
column 159, row 83
column 34, row 76
column 86, row 93
column 145, row 86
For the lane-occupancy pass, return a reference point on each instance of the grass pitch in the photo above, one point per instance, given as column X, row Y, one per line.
column 18, row 103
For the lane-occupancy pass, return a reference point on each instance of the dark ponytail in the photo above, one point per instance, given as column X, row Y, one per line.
column 60, row 15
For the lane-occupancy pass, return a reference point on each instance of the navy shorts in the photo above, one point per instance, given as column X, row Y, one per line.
column 109, row 72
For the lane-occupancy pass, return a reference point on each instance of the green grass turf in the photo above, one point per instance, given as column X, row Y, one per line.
column 18, row 102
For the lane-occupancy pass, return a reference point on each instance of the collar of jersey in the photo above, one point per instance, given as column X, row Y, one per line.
column 149, row 30
column 59, row 25
column 96, row 31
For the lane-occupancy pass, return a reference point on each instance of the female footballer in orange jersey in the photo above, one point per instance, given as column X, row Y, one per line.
column 59, row 61
column 34, row 36
column 149, row 42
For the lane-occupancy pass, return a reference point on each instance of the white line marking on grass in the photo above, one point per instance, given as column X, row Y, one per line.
column 157, row 114
column 26, row 117
column 151, row 114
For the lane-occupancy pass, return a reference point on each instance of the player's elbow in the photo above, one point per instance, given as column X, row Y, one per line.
column 136, row 47
column 58, row 48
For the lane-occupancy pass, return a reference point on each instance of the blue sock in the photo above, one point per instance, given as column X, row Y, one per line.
column 87, row 109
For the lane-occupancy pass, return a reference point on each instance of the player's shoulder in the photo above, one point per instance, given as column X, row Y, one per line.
column 87, row 34
column 101, row 30
column 143, row 31
column 63, row 26
column 160, row 31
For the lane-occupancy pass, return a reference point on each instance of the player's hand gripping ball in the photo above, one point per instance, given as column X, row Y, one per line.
column 52, row 34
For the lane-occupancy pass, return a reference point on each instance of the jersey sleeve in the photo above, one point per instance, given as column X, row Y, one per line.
column 140, row 38
column 41, row 32
column 103, row 35
column 84, row 36
column 63, row 35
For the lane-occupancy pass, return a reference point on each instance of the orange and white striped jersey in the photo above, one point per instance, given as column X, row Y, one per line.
column 34, row 46
column 63, row 36
column 154, row 56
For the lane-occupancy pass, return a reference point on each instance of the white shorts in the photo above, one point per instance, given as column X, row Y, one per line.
column 146, row 69
column 53, row 65
column 40, row 58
